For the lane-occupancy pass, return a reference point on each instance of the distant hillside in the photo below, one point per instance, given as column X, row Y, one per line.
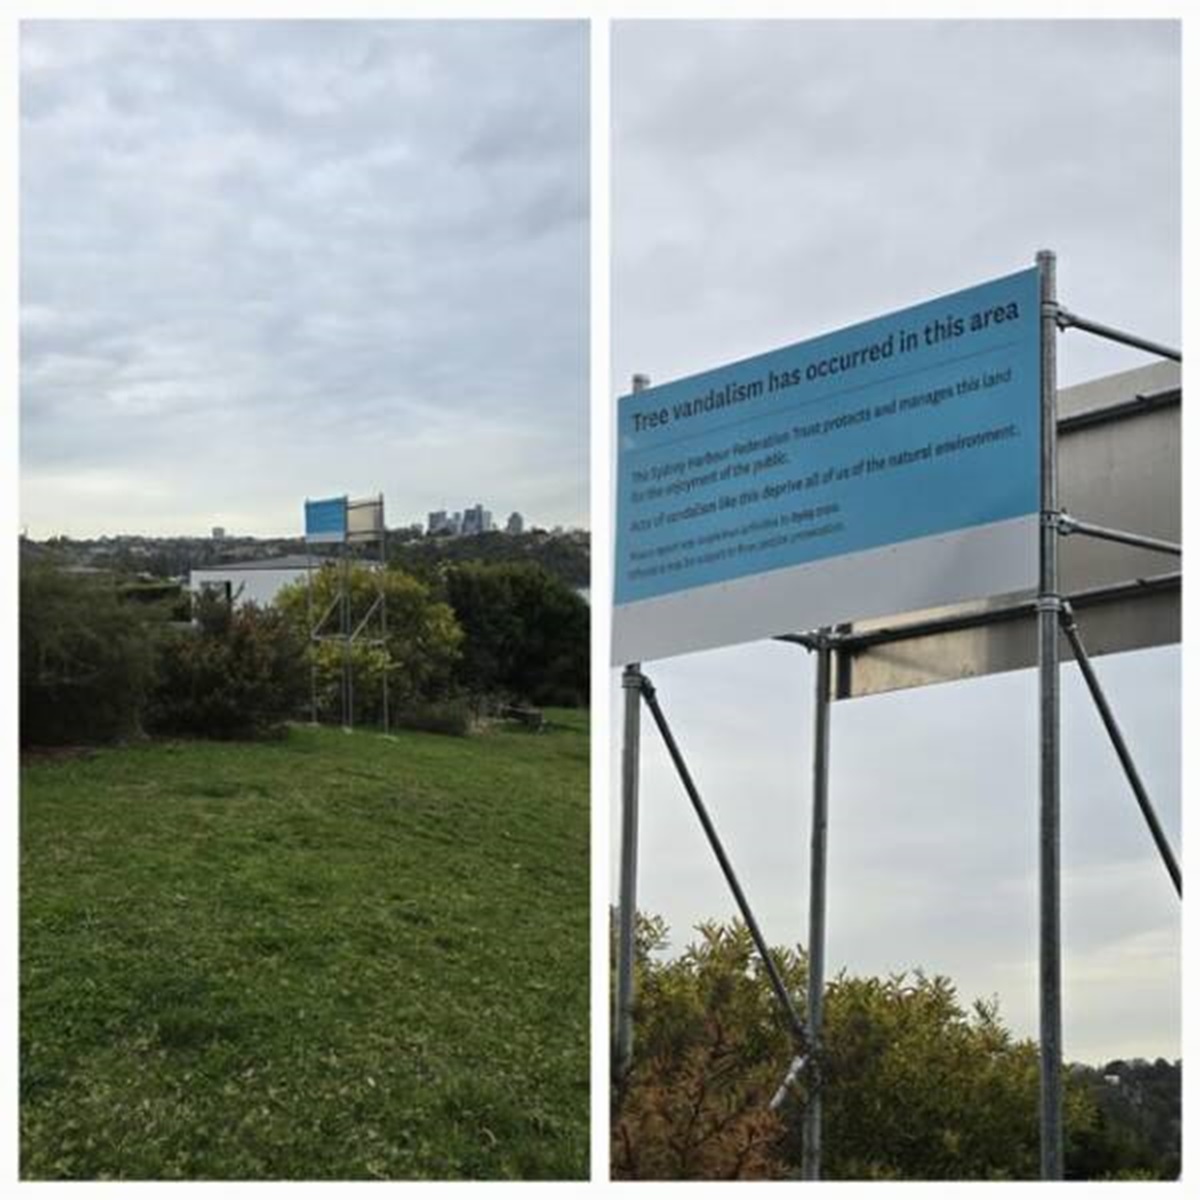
column 565, row 554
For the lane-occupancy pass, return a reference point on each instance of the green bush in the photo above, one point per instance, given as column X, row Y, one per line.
column 527, row 633
column 238, row 673
column 87, row 661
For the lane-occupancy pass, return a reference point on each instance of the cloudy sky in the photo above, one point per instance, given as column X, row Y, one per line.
column 773, row 182
column 265, row 260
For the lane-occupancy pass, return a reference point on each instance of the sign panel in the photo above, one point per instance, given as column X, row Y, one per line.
column 883, row 468
column 1119, row 466
column 325, row 520
column 364, row 519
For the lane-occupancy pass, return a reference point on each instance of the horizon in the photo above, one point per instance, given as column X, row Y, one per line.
column 531, row 527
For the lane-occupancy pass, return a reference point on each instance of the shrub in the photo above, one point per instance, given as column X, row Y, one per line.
column 86, row 660
column 916, row 1085
column 239, row 672
column 527, row 633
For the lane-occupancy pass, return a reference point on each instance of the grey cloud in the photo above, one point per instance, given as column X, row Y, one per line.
column 281, row 235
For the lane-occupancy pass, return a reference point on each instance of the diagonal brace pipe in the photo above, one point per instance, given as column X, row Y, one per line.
column 1071, row 629
column 1069, row 320
column 798, row 1029
column 1068, row 524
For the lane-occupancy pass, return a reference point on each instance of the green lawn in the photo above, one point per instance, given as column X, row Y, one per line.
column 333, row 956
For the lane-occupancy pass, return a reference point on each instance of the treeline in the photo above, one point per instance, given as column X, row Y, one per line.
column 99, row 662
column 566, row 556
column 916, row 1085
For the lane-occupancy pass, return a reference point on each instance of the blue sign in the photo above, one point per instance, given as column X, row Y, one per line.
column 910, row 426
column 325, row 520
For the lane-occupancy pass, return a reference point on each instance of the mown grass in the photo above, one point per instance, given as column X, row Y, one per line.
column 335, row 956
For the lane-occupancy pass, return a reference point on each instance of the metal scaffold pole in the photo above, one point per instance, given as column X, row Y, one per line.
column 798, row 1030
column 383, row 624
column 1049, row 606
column 312, row 638
column 811, row 1132
column 347, row 686
column 1069, row 320
column 631, row 682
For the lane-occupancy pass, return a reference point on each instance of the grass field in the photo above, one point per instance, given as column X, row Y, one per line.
column 333, row 956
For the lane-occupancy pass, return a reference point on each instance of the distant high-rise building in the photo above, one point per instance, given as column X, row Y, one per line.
column 218, row 532
column 476, row 520
column 516, row 523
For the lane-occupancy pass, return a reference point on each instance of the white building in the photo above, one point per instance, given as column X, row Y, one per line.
column 258, row 580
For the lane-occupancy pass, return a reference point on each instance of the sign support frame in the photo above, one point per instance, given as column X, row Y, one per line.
column 1055, row 616
column 341, row 567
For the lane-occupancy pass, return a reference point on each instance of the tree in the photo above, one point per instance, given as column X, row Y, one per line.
column 915, row 1085
column 422, row 646
column 527, row 633
column 1136, row 1130
column 87, row 660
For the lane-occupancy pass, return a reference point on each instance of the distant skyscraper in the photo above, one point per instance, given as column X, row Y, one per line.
column 516, row 523
column 218, row 532
column 470, row 521
column 476, row 520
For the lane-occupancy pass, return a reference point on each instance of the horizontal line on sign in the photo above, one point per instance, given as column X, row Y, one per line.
column 858, row 387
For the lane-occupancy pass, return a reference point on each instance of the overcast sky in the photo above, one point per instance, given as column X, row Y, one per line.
column 775, row 181
column 268, row 260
